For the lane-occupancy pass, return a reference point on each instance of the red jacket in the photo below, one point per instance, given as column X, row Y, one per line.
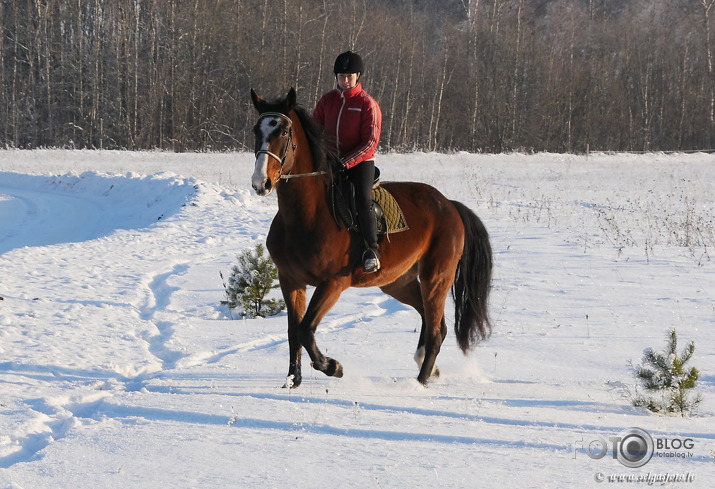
column 353, row 120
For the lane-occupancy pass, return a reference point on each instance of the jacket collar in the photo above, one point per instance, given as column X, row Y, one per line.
column 352, row 92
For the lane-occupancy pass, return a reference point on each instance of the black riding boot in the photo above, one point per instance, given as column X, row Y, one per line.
column 362, row 177
column 368, row 230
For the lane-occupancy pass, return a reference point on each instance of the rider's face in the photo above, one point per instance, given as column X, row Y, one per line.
column 346, row 81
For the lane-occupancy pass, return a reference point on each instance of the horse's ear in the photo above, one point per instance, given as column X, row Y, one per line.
column 291, row 98
column 257, row 101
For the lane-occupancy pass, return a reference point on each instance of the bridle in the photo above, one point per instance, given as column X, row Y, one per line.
column 282, row 158
column 289, row 144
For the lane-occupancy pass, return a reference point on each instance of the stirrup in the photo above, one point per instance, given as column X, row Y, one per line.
column 371, row 263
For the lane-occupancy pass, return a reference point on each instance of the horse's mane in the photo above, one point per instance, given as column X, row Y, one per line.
column 324, row 156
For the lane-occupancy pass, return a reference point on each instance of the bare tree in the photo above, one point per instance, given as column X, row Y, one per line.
column 707, row 6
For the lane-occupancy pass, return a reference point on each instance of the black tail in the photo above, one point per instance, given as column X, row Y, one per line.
column 472, row 282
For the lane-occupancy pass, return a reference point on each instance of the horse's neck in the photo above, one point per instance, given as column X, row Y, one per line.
column 303, row 201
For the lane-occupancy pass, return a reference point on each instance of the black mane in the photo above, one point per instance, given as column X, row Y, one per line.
column 324, row 157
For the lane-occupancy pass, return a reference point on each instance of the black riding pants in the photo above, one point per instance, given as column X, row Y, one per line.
column 362, row 177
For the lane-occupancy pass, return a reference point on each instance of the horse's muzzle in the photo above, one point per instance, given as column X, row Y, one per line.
column 265, row 188
column 260, row 181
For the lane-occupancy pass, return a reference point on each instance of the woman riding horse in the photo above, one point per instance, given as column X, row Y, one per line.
column 445, row 247
column 353, row 120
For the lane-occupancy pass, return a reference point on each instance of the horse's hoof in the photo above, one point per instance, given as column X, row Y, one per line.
column 293, row 379
column 334, row 369
column 331, row 368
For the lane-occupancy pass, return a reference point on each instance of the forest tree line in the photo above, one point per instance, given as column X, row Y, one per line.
column 450, row 75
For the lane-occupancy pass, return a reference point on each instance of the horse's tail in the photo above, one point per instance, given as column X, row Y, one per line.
column 472, row 282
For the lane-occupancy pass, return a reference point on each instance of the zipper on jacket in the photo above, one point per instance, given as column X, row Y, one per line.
column 337, row 128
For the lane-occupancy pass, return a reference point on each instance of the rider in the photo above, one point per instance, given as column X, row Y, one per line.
column 352, row 118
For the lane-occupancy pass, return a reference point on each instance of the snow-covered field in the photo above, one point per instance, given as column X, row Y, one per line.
column 119, row 368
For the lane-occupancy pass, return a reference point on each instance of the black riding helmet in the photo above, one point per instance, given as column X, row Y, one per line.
column 348, row 62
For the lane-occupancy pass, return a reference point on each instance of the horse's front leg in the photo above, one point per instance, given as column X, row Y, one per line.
column 324, row 298
column 294, row 296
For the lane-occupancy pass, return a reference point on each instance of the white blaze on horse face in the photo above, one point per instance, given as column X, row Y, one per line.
column 260, row 175
column 260, row 180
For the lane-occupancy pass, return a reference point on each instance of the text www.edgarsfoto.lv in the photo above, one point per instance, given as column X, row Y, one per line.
column 649, row 478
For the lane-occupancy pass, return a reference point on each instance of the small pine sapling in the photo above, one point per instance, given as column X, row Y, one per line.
column 666, row 376
column 249, row 284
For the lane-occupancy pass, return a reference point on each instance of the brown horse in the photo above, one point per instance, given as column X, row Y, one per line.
column 446, row 246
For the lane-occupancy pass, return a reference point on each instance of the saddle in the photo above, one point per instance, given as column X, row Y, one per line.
column 387, row 212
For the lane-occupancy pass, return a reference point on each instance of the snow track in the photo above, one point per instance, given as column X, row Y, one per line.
column 120, row 369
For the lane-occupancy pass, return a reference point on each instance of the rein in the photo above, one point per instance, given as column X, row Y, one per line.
column 290, row 176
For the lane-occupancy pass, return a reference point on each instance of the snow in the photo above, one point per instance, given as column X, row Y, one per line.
column 119, row 367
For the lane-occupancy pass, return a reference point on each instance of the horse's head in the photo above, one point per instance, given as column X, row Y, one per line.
column 274, row 141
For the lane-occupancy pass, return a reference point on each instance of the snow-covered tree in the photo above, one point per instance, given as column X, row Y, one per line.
column 665, row 375
column 250, row 282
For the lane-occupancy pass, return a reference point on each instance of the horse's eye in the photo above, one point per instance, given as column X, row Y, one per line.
column 284, row 133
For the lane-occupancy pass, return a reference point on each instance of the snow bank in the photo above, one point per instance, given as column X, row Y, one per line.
column 45, row 210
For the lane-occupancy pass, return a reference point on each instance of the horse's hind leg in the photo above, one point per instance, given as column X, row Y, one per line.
column 437, row 270
column 420, row 352
column 407, row 290
column 434, row 327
